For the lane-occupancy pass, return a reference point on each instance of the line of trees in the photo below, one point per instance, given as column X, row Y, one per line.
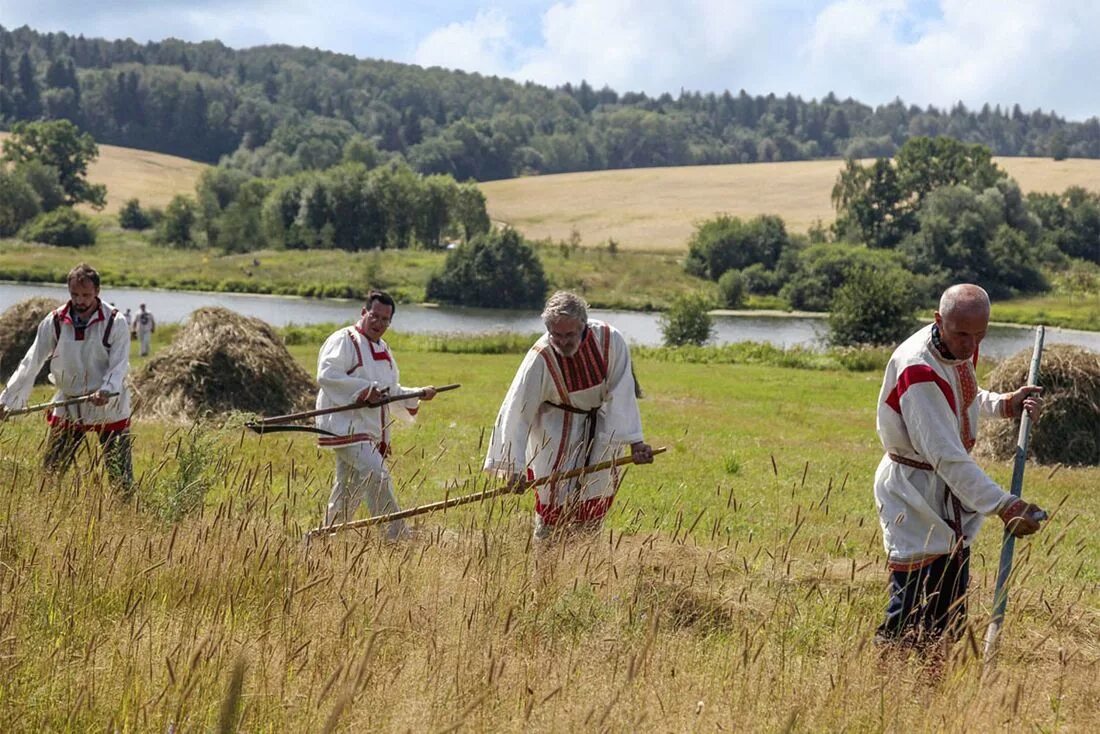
column 276, row 110
column 938, row 213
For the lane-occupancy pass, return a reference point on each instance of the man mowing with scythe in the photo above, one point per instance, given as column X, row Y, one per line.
column 572, row 403
column 88, row 347
column 356, row 365
column 930, row 494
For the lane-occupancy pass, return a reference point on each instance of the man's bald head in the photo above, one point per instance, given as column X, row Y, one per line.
column 963, row 318
column 964, row 298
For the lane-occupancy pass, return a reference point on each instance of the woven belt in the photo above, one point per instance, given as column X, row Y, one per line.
column 897, row 458
column 954, row 522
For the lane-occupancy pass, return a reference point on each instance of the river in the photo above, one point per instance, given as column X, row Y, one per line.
column 639, row 328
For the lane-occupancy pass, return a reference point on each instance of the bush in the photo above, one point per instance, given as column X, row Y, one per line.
column 821, row 269
column 494, row 270
column 727, row 242
column 64, row 227
column 179, row 219
column 18, row 203
column 132, row 216
column 760, row 281
column 687, row 322
column 731, row 289
column 872, row 307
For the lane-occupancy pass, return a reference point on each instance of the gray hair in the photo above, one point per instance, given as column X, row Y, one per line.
column 564, row 304
column 964, row 297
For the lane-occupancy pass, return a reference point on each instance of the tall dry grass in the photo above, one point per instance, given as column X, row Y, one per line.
column 116, row 618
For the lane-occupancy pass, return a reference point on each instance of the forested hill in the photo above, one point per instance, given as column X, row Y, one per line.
column 275, row 110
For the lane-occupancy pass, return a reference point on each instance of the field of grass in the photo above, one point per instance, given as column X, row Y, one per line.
column 656, row 208
column 129, row 173
column 735, row 587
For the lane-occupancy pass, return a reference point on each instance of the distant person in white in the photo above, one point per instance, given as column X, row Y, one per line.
column 144, row 325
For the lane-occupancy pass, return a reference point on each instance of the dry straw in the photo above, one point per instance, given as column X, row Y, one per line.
column 222, row 362
column 1069, row 430
column 18, row 326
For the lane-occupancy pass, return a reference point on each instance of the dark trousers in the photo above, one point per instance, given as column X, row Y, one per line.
column 63, row 444
column 930, row 602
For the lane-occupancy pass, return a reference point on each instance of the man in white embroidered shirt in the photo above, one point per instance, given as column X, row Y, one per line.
column 572, row 403
column 356, row 365
column 88, row 348
column 930, row 494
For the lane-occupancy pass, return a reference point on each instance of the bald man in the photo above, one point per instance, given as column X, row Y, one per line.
column 930, row 494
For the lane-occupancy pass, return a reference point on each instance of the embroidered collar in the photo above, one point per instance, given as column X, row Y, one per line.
column 937, row 342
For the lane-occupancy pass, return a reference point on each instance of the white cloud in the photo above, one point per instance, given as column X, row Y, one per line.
column 485, row 44
column 996, row 51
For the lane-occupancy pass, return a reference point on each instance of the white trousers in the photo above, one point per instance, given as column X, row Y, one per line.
column 360, row 472
column 144, row 339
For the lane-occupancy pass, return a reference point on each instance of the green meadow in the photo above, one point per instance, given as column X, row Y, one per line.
column 735, row 587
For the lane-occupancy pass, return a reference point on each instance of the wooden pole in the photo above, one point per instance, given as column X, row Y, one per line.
column 475, row 497
column 258, row 425
column 1008, row 545
column 57, row 404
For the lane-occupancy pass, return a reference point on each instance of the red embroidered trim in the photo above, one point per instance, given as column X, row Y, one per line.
column 586, row 368
column 66, row 425
column 968, row 385
column 914, row 375
column 587, row 511
column 383, row 356
column 358, row 351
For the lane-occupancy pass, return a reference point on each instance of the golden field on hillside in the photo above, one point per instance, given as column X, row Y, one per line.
column 129, row 173
column 656, row 208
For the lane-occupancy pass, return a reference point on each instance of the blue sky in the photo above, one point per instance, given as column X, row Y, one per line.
column 1035, row 53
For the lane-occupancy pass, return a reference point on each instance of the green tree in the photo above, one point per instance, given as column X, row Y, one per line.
column 877, row 204
column 687, row 321
column 132, row 216
column 872, row 307
column 18, row 202
column 727, row 242
column 176, row 228
column 822, row 269
column 494, row 270
column 731, row 289
column 470, row 214
column 60, row 144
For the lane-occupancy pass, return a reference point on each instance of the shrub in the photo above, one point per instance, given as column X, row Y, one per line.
column 64, row 227
column 727, row 242
column 179, row 220
column 731, row 289
column 18, row 203
column 821, row 269
column 494, row 270
column 687, row 322
column 132, row 216
column 872, row 307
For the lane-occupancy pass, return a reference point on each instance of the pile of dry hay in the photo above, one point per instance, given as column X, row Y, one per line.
column 1069, row 430
column 221, row 362
column 18, row 326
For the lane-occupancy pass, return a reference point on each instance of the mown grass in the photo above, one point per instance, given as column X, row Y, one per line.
column 735, row 587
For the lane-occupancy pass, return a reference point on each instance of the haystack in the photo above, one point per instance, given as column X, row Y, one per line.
column 1069, row 431
column 220, row 362
column 18, row 326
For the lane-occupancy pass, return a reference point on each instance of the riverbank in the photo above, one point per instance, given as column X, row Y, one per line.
column 630, row 281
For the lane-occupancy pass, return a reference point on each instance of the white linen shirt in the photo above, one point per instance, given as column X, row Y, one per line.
column 79, row 364
column 349, row 363
column 928, row 412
